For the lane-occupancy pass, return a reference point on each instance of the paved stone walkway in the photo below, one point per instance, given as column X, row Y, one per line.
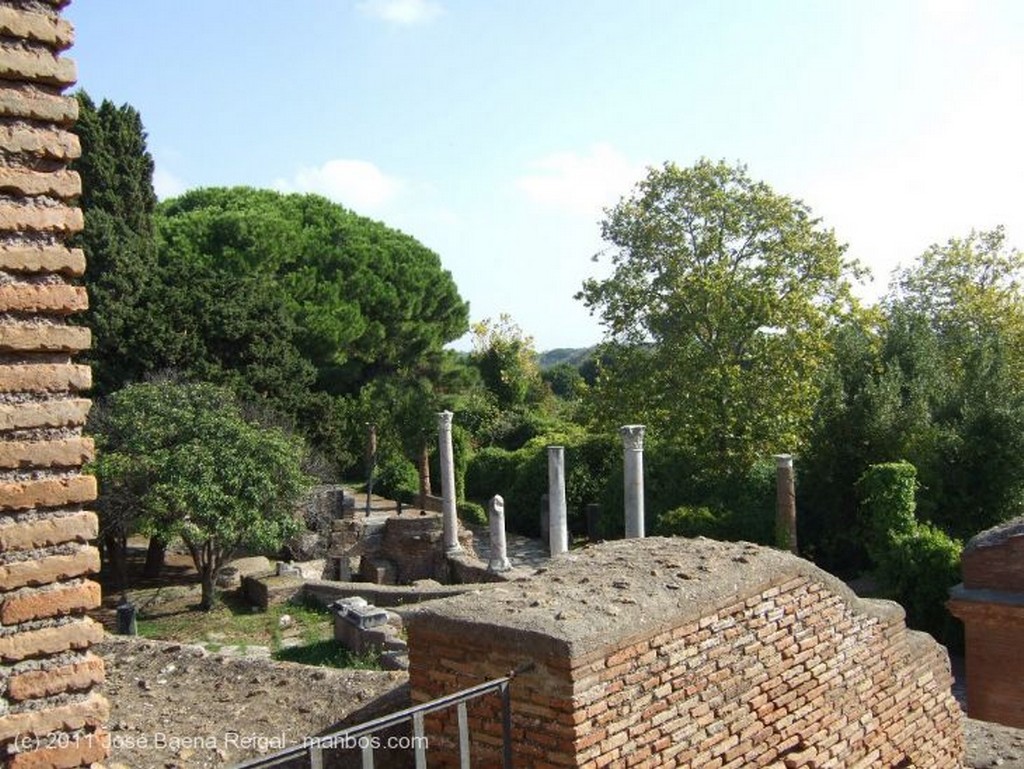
column 523, row 552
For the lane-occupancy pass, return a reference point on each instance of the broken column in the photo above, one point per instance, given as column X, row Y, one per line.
column 449, row 515
column 785, row 505
column 558, row 519
column 499, row 548
column 633, row 471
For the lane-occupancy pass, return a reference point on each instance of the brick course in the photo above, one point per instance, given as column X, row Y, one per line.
column 50, row 713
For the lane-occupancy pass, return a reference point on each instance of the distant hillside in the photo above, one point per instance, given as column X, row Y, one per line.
column 574, row 356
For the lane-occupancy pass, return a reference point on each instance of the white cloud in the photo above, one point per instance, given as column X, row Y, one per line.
column 963, row 170
column 358, row 184
column 167, row 185
column 580, row 184
column 405, row 12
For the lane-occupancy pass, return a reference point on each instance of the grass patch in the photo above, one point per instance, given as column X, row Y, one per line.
column 329, row 653
column 232, row 621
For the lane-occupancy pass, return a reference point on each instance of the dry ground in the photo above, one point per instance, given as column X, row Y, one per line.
column 180, row 706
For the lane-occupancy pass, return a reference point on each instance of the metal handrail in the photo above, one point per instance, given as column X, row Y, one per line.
column 315, row 746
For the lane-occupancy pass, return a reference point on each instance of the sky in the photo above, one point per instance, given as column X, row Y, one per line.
column 496, row 132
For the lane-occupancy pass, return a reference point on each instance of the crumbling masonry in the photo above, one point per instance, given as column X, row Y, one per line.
column 49, row 714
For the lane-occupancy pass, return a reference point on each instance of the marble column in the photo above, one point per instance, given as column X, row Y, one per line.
column 633, row 466
column 449, row 517
column 499, row 547
column 785, row 504
column 558, row 518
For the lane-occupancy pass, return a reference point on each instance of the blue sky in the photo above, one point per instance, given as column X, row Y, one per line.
column 496, row 131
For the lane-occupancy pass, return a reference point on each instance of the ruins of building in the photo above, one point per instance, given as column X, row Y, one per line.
column 990, row 602
column 687, row 653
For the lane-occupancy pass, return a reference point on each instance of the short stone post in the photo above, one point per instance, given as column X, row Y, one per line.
column 785, row 504
column 558, row 518
column 449, row 516
column 499, row 547
column 633, row 466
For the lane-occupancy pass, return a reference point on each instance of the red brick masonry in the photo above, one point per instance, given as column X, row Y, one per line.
column 690, row 653
column 990, row 602
column 49, row 714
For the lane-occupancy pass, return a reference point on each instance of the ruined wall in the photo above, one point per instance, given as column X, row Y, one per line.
column 48, row 714
column 689, row 653
column 990, row 602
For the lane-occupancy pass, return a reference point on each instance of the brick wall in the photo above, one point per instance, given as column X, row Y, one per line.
column 689, row 653
column 49, row 714
column 990, row 602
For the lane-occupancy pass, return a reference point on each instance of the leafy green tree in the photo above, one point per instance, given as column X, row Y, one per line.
column 932, row 377
column 507, row 360
column 119, row 243
column 717, row 312
column 366, row 300
column 181, row 460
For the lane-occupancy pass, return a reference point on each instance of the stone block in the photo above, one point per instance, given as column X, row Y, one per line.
column 48, row 569
column 59, row 600
column 65, row 220
column 36, row 65
column 69, row 452
column 44, row 377
column 92, row 711
column 26, row 337
column 58, row 299
column 80, row 634
column 50, row 143
column 81, row 750
column 70, row 412
column 35, row 259
column 52, row 31
column 37, row 105
column 50, row 492
column 24, row 181
column 46, row 532
column 49, row 681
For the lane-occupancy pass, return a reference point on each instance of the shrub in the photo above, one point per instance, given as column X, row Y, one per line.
column 491, row 471
column 396, row 478
column 915, row 562
column 687, row 521
column 471, row 512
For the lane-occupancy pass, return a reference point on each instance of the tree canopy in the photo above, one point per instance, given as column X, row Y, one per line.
column 119, row 242
column 183, row 460
column 365, row 299
column 717, row 311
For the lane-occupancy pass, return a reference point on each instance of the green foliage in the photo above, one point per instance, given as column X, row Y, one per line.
column 886, row 491
column 507, row 362
column 717, row 312
column 933, row 377
column 182, row 461
column 688, row 521
column 916, row 562
column 396, row 478
column 491, row 471
column 472, row 512
column 118, row 240
column 366, row 299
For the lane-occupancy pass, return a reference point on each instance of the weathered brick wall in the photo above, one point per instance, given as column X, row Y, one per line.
column 990, row 602
column 49, row 715
column 689, row 653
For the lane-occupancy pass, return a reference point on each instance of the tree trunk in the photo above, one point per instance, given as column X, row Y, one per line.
column 155, row 557
column 116, row 547
column 424, row 468
column 206, row 574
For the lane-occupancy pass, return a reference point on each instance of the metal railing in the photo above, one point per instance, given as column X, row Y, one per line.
column 354, row 737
